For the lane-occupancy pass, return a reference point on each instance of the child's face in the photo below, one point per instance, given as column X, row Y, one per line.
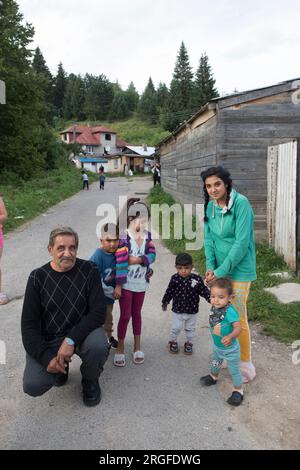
column 138, row 225
column 184, row 271
column 110, row 243
column 219, row 298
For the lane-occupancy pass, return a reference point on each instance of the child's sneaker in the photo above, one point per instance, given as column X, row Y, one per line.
column 188, row 348
column 235, row 399
column 173, row 347
column 113, row 342
column 207, row 380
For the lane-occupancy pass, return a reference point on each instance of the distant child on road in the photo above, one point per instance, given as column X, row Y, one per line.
column 225, row 327
column 105, row 260
column 85, row 180
column 102, row 180
column 185, row 288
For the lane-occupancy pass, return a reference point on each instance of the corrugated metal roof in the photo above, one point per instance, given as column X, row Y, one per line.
column 140, row 150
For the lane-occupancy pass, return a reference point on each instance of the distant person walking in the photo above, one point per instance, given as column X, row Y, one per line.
column 85, row 180
column 156, row 174
column 3, row 217
column 230, row 248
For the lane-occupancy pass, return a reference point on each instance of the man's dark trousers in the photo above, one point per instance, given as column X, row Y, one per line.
column 93, row 353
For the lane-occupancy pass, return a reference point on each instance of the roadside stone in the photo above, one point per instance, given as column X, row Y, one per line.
column 286, row 293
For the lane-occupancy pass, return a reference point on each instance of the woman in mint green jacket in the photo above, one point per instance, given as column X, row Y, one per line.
column 230, row 248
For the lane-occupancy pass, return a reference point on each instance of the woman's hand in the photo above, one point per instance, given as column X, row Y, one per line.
column 209, row 276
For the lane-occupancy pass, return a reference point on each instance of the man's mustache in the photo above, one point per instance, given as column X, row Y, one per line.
column 66, row 258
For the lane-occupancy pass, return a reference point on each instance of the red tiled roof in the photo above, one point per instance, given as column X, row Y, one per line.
column 121, row 143
column 78, row 129
column 88, row 138
column 102, row 129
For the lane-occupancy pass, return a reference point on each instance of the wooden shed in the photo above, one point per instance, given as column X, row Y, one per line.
column 233, row 131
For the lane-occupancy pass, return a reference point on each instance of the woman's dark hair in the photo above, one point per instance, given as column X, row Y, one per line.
column 183, row 259
column 135, row 212
column 221, row 173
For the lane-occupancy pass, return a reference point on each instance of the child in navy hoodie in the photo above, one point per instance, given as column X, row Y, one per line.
column 184, row 288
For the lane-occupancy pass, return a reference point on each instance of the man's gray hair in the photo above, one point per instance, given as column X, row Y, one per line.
column 61, row 230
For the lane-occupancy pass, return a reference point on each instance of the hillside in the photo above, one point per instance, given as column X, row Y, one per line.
column 133, row 130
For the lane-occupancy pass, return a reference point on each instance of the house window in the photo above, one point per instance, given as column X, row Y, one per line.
column 90, row 149
column 65, row 137
column 116, row 164
column 107, row 136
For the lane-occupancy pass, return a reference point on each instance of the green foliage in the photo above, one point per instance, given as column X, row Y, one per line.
column 147, row 108
column 119, row 107
column 60, row 83
column 137, row 132
column 279, row 320
column 179, row 106
column 99, row 97
column 204, row 85
column 74, row 98
column 26, row 141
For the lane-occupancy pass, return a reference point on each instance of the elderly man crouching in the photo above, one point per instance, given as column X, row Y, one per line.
column 63, row 311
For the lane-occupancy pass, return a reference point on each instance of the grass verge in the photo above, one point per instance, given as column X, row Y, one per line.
column 281, row 321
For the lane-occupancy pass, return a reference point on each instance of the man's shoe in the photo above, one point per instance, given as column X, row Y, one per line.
column 113, row 342
column 91, row 392
column 62, row 379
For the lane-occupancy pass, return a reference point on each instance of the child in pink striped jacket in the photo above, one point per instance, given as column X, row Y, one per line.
column 133, row 258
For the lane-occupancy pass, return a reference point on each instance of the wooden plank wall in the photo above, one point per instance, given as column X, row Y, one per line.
column 243, row 136
column 183, row 159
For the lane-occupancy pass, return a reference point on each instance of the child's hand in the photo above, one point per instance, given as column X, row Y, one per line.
column 164, row 307
column 149, row 274
column 217, row 330
column 117, row 292
column 226, row 341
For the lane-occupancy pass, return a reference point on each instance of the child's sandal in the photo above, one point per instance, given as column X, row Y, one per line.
column 119, row 360
column 188, row 348
column 3, row 298
column 138, row 357
column 173, row 347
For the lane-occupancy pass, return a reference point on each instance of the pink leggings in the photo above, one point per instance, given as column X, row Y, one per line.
column 1, row 237
column 130, row 306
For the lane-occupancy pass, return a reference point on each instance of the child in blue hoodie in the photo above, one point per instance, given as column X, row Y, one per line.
column 105, row 260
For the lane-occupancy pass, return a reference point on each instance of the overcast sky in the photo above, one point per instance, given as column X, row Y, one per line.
column 249, row 46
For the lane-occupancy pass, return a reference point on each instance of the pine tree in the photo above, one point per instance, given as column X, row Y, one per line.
column 40, row 67
column 204, row 86
column 99, row 97
column 74, row 98
column 60, row 83
column 132, row 97
column 24, row 135
column 147, row 108
column 180, row 102
column 119, row 107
